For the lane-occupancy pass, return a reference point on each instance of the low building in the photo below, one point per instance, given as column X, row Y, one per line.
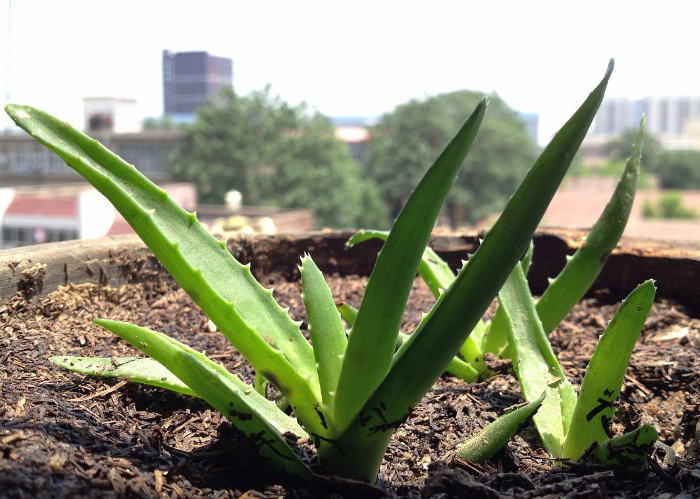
column 24, row 161
column 44, row 214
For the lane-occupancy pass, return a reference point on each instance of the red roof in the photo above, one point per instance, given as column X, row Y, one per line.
column 120, row 226
column 46, row 207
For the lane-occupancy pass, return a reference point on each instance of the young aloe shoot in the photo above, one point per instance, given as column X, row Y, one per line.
column 348, row 394
column 567, row 425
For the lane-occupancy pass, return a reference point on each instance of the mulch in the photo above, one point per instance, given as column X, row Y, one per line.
column 69, row 435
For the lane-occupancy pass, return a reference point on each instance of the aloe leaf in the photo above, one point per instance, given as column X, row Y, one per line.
column 432, row 269
column 494, row 338
column 492, row 438
column 601, row 384
column 456, row 367
column 527, row 259
column 422, row 358
column 251, row 413
column 438, row 276
column 260, row 383
column 325, row 328
column 348, row 313
column 227, row 292
column 584, row 266
column 373, row 336
column 226, row 395
column 139, row 370
column 536, row 366
column 628, row 451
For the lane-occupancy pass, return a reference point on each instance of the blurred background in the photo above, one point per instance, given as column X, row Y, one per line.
column 294, row 116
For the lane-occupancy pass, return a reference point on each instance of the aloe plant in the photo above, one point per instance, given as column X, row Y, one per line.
column 349, row 394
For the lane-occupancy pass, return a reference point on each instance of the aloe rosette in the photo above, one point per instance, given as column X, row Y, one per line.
column 350, row 393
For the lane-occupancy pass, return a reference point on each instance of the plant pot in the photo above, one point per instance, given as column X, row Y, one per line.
column 68, row 435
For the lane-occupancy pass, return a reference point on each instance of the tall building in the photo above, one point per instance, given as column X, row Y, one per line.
column 191, row 79
column 669, row 118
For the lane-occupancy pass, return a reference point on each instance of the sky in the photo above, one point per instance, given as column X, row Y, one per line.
column 353, row 58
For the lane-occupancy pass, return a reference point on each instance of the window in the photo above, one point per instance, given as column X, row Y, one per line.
column 13, row 237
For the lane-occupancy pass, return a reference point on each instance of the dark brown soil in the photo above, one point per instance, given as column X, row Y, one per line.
column 67, row 435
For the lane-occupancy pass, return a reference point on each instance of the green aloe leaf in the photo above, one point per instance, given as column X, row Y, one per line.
column 348, row 313
column 485, row 444
column 139, row 370
column 438, row 276
column 373, row 336
column 251, row 413
column 601, row 384
column 628, row 451
column 426, row 354
column 536, row 365
column 584, row 266
column 326, row 330
column 227, row 292
column 432, row 269
column 581, row 270
column 456, row 367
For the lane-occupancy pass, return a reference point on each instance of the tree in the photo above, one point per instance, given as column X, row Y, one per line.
column 276, row 155
column 678, row 169
column 620, row 147
column 407, row 141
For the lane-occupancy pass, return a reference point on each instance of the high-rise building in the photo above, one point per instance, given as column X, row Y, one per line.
column 667, row 117
column 192, row 79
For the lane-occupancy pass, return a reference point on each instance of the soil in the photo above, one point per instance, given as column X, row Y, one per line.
column 69, row 435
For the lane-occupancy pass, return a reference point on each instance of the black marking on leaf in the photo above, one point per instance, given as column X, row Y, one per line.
column 380, row 411
column 318, row 438
column 603, row 404
column 364, row 419
column 394, row 425
column 260, row 441
column 243, row 416
column 321, row 416
column 608, row 393
column 630, row 453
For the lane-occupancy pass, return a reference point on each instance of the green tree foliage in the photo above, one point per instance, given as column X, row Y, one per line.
column 406, row 141
column 160, row 124
column 669, row 205
column 276, row 155
column 619, row 148
column 678, row 169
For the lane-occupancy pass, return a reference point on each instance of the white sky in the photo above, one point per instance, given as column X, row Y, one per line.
column 355, row 58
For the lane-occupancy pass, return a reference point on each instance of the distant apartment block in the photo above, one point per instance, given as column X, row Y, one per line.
column 675, row 120
column 192, row 79
column 23, row 161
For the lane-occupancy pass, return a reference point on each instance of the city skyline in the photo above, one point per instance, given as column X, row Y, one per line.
column 360, row 60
